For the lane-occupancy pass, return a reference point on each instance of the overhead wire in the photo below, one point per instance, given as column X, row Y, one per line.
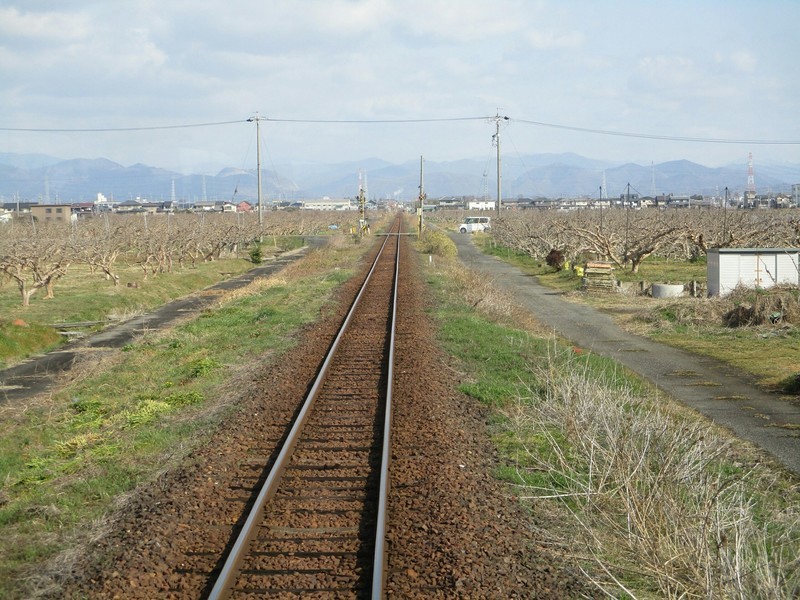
column 650, row 136
column 368, row 121
column 630, row 134
column 116, row 129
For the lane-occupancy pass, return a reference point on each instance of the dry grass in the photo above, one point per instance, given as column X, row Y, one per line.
column 656, row 496
column 743, row 307
column 482, row 293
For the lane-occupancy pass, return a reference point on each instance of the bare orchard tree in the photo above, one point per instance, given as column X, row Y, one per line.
column 36, row 257
column 627, row 237
column 739, row 229
column 593, row 233
column 99, row 243
column 624, row 237
column 534, row 233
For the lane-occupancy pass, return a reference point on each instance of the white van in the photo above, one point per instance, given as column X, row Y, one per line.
column 472, row 224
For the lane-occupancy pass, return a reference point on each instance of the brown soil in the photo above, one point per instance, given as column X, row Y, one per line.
column 454, row 531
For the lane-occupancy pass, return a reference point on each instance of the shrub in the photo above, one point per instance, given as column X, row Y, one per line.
column 438, row 244
column 256, row 255
column 763, row 306
column 202, row 366
column 555, row 259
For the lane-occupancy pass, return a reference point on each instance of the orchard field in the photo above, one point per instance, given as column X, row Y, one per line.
column 110, row 267
column 638, row 497
column 669, row 246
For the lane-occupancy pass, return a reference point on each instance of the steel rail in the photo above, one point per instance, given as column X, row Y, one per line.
column 230, row 570
column 379, row 565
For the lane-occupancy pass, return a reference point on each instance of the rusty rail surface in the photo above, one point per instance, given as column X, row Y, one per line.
column 318, row 524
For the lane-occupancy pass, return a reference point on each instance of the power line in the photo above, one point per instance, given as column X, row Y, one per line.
column 401, row 121
column 649, row 136
column 113, row 129
column 366, row 121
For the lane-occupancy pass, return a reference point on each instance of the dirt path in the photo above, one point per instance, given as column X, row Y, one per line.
column 717, row 390
column 40, row 373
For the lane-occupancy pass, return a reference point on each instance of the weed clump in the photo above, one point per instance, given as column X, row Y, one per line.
column 743, row 307
column 780, row 304
column 202, row 367
column 438, row 244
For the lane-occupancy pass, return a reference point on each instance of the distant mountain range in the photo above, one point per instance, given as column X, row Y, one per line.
column 36, row 177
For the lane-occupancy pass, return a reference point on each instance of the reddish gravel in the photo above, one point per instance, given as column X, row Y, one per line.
column 453, row 530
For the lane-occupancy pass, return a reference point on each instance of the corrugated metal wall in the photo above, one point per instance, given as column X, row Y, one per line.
column 764, row 269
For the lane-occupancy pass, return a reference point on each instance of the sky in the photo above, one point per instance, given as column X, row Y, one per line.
column 172, row 83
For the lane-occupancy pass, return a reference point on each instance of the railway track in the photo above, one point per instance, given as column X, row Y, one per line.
column 317, row 526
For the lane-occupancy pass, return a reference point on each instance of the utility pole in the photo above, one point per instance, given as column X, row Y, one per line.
column 363, row 226
column 421, row 202
column 496, row 139
column 725, row 217
column 257, row 119
column 600, row 203
column 627, row 220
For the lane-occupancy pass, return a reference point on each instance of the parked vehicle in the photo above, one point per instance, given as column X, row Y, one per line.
column 472, row 224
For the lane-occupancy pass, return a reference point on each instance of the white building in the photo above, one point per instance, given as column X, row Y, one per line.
column 480, row 205
column 751, row 267
column 329, row 204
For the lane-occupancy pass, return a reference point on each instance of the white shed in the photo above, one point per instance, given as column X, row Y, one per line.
column 751, row 267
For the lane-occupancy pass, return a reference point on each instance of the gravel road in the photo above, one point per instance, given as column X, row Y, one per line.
column 717, row 390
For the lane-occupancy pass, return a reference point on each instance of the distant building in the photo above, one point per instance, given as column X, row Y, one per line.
column 82, row 208
column 23, row 207
column 628, row 200
column 480, row 205
column 53, row 213
column 328, row 204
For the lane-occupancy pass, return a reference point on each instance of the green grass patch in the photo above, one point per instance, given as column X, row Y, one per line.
column 614, row 464
column 24, row 339
column 770, row 354
column 82, row 296
column 64, row 460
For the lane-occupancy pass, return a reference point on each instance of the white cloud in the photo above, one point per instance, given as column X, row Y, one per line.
column 45, row 27
column 571, row 62
column 547, row 40
column 744, row 61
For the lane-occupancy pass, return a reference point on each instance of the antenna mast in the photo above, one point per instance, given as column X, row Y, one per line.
column 363, row 226
column 751, row 179
column 421, row 202
column 652, row 180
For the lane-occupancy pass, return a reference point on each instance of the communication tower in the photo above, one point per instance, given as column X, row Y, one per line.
column 652, row 180
column 751, row 179
column 363, row 223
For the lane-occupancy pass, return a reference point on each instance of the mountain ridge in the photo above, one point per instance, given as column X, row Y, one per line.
column 37, row 177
